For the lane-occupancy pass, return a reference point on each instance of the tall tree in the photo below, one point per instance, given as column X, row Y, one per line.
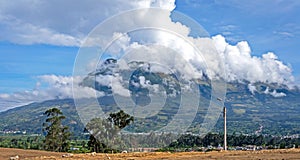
column 104, row 132
column 57, row 135
column 100, row 134
column 120, row 119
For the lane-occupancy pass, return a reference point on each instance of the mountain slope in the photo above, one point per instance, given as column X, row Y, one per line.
column 30, row 118
column 252, row 108
column 247, row 113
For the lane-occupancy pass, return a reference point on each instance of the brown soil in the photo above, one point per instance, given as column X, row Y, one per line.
column 6, row 153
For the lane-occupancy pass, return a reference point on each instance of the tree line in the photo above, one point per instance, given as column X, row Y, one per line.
column 104, row 133
column 104, row 136
column 233, row 140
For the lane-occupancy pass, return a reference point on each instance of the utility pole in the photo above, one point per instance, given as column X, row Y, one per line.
column 225, row 129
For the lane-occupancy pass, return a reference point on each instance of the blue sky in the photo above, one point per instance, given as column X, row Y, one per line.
column 266, row 25
column 45, row 40
column 22, row 64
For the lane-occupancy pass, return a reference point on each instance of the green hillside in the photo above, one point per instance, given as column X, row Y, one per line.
column 247, row 113
column 30, row 117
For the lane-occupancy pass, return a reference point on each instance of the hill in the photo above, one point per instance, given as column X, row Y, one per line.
column 247, row 113
column 30, row 118
column 155, row 100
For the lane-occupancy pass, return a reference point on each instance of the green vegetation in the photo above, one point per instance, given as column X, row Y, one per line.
column 120, row 119
column 57, row 135
column 259, row 119
column 184, row 143
column 105, row 132
column 21, row 141
column 245, row 113
column 216, row 140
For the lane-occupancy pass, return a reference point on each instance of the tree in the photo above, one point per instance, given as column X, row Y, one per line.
column 120, row 119
column 104, row 132
column 99, row 131
column 57, row 135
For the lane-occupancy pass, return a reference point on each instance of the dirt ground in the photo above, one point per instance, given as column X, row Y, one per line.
column 6, row 153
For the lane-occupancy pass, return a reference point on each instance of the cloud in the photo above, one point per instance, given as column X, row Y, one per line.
column 240, row 65
column 20, row 32
column 287, row 31
column 56, row 87
column 267, row 7
column 63, row 87
column 50, row 22
column 63, row 23
column 252, row 88
column 115, row 82
column 284, row 34
column 229, row 27
column 174, row 51
column 274, row 93
column 147, row 84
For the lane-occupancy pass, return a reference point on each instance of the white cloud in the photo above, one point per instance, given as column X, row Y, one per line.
column 284, row 34
column 56, row 87
column 177, row 55
column 67, row 22
column 241, row 65
column 61, row 22
column 118, row 88
column 252, row 88
column 63, row 87
column 17, row 31
column 115, row 82
column 120, row 45
column 50, row 22
column 147, row 84
column 274, row 93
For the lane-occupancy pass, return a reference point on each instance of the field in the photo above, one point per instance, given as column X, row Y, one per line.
column 5, row 153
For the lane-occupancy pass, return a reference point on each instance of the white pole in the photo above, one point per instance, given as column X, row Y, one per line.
column 225, row 129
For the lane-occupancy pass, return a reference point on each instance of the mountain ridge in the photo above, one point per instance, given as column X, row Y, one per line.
column 247, row 112
column 250, row 106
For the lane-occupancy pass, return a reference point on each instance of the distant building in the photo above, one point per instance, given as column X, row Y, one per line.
column 140, row 149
